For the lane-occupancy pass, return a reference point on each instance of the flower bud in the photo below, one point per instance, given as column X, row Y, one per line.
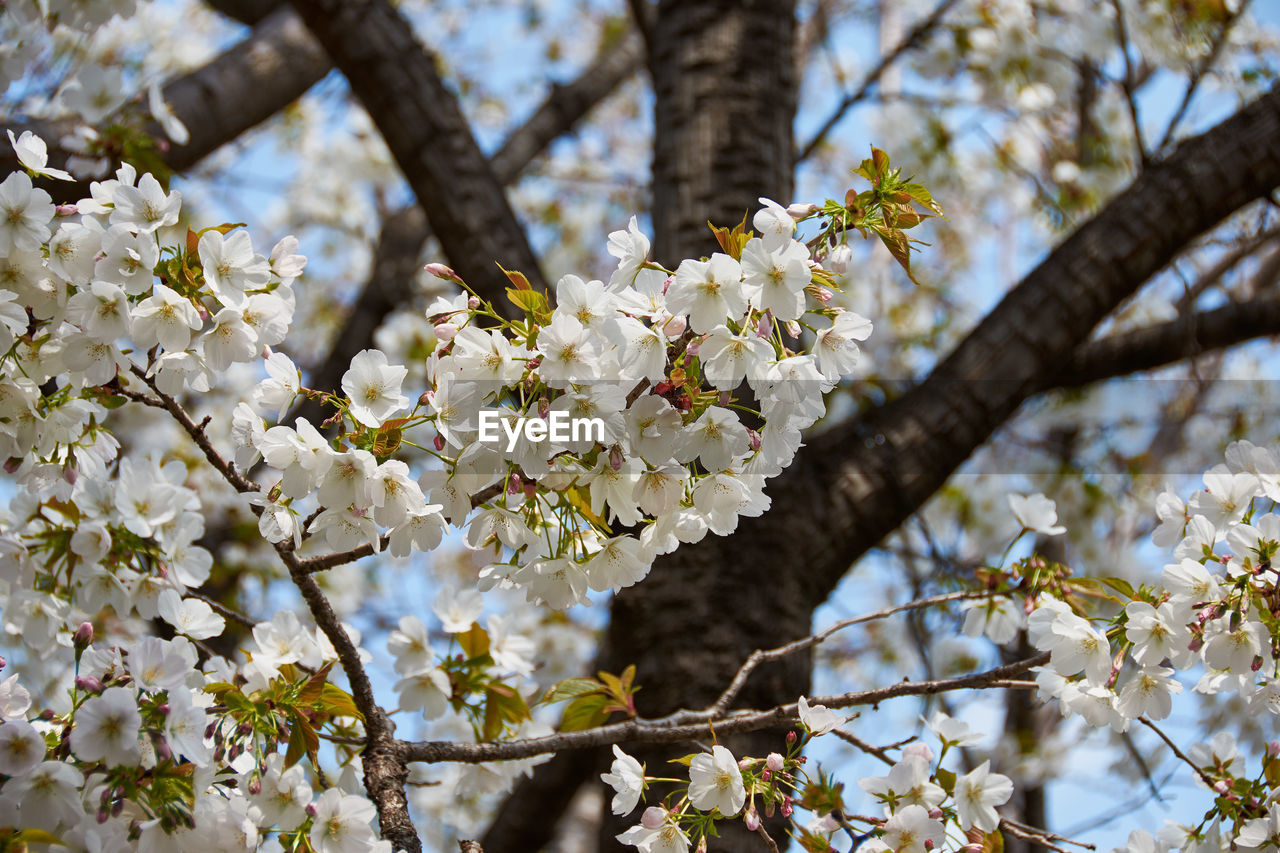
column 544, row 407
column 473, row 302
column 530, row 490
column 88, row 683
column 67, row 210
column 823, row 294
column 438, row 443
column 751, row 820
column 928, row 844
column 838, row 259
column 615, row 458
column 513, row 484
column 1273, row 748
column 675, row 327
column 786, row 807
column 1222, row 787
column 791, row 737
column 255, row 786
column 12, row 464
column 441, row 271
column 723, row 398
column 70, row 475
column 774, row 762
column 754, row 438
column 935, row 813
column 446, row 331
column 83, row 637
column 693, row 347
column 793, row 328
column 311, row 809
column 1257, row 663
column 425, row 399
column 654, row 817
column 801, row 209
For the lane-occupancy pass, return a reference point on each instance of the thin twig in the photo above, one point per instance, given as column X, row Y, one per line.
column 1199, row 73
column 1204, row 777
column 879, row 752
column 913, row 38
column 1122, row 36
column 760, row 656
column 768, row 839
column 691, row 725
column 223, row 610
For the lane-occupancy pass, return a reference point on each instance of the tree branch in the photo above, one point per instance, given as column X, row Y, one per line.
column 918, row 33
column 395, row 78
column 691, row 725
column 243, row 86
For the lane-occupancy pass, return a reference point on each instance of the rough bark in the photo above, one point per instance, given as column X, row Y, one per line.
column 395, row 78
column 724, row 93
column 405, row 231
column 724, row 89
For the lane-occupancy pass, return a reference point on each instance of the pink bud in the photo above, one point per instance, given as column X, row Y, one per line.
column 530, row 490
column 675, row 327
column 311, row 809
column 935, row 813
column 754, row 438
column 70, row 475
column 255, row 786
column 513, row 485
column 164, row 709
column 1273, row 748
column 786, row 807
column 791, row 737
column 801, row 209
column 654, row 817
column 1221, row 787
column 765, row 326
column 446, row 331
column 441, row 271
column 83, row 636
column 544, row 407
column 793, row 328
column 12, row 464
column 928, row 844
column 616, row 458
column 774, row 762
column 1257, row 663
column 752, row 821
column 693, row 347
column 823, row 294
column 67, row 210
column 921, row 750
column 838, row 259
column 425, row 399
column 473, row 302
column 746, row 763
column 88, row 683
column 439, row 442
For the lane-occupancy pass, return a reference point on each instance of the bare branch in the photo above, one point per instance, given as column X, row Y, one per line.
column 692, row 725
column 1204, row 777
column 1127, row 84
column 918, row 33
column 760, row 656
column 1201, row 69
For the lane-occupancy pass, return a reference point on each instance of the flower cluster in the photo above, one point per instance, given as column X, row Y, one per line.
column 921, row 799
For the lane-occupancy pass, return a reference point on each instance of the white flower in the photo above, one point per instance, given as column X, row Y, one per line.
column 631, row 248
column 457, row 609
column 1036, row 513
column 715, row 438
column 25, row 213
column 410, row 645
column 626, row 777
column 977, row 793
column 162, row 113
column 21, row 746
column 710, row 292
column 836, row 348
column 818, row 719
column 165, row 318
column 341, row 823
column 908, row 830
column 1148, row 692
column 427, row 690
column 184, row 728
column 667, row 837
column 715, row 782
column 190, row 616
column 775, row 280
column 106, row 728
column 373, row 387
column 231, row 267
column 147, row 208
column 34, row 155
column 950, row 731
column 774, row 223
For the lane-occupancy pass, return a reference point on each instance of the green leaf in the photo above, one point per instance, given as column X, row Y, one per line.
column 993, row 842
column 1120, row 585
column 339, row 703
column 474, row 641
column 571, row 687
column 585, row 712
column 686, row 760
column 311, row 692
column 946, row 779
column 530, row 301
